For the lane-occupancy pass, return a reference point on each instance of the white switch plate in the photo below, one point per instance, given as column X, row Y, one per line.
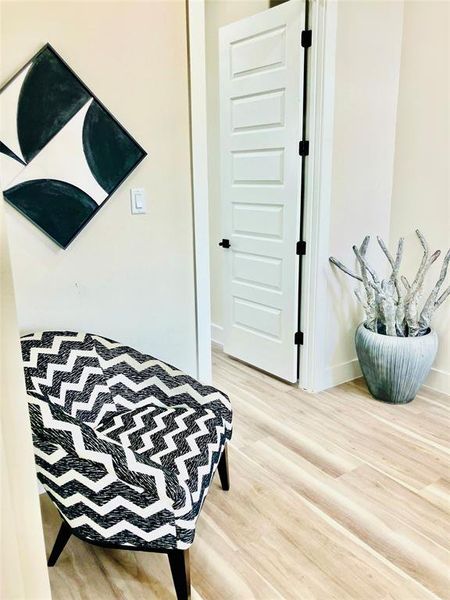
column 138, row 201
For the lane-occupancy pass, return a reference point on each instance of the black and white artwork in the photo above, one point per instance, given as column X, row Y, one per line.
column 62, row 153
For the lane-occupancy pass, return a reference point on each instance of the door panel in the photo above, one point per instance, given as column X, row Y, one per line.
column 257, row 111
column 261, row 220
column 261, row 75
column 259, row 52
column 263, row 271
column 258, row 167
column 257, row 317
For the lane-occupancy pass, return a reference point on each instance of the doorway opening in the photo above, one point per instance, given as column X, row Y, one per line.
column 256, row 80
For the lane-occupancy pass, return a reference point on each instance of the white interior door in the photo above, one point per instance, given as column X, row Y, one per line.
column 261, row 96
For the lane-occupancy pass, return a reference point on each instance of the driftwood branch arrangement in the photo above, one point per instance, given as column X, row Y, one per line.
column 392, row 305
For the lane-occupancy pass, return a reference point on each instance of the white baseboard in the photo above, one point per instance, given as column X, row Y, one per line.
column 217, row 334
column 439, row 380
column 341, row 373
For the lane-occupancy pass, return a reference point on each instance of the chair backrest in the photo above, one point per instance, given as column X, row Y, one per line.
column 64, row 368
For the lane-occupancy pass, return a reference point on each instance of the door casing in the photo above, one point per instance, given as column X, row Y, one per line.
column 319, row 126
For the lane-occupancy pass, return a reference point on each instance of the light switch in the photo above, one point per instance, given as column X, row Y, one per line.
column 138, row 201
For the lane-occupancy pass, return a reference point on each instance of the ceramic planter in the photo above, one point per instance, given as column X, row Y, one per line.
column 394, row 367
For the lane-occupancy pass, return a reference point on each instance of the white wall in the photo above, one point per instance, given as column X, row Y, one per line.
column 217, row 14
column 368, row 50
column 421, row 195
column 24, row 574
column 127, row 277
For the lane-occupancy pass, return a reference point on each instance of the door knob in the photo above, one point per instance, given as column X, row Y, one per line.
column 225, row 243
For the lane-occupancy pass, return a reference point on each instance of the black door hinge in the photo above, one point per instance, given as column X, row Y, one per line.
column 301, row 248
column 307, row 38
column 303, row 148
column 298, row 338
column 225, row 243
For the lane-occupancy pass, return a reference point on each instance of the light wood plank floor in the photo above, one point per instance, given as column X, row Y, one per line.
column 334, row 496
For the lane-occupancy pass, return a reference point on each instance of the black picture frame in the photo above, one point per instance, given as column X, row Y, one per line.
column 49, row 47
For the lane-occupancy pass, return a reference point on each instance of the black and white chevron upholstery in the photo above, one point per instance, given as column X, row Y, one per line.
column 125, row 445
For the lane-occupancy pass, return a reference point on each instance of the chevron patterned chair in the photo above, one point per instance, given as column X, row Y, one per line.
column 125, row 445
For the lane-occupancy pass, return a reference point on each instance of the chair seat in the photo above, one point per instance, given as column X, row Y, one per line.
column 126, row 445
column 178, row 436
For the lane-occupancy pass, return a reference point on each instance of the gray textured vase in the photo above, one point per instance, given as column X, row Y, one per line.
column 394, row 367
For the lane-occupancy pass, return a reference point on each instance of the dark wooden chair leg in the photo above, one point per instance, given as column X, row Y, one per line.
column 61, row 540
column 181, row 573
column 224, row 473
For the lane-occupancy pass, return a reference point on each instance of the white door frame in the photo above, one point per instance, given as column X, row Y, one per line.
column 199, row 176
column 321, row 69
column 320, row 120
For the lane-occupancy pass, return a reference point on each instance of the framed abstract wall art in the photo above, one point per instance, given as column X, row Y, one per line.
column 62, row 153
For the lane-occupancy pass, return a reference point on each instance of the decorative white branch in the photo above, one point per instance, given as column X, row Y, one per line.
column 432, row 302
column 405, row 283
column 442, row 298
column 395, row 279
column 389, row 307
column 346, row 270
